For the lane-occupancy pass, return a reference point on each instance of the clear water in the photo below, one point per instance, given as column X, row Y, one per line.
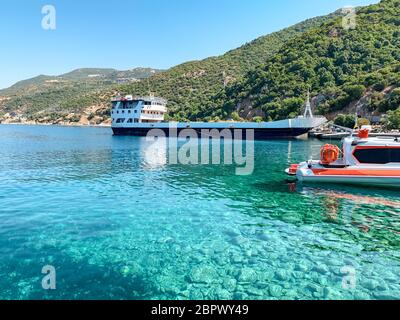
column 118, row 224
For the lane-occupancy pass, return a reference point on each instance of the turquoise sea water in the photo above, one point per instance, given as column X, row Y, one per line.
column 117, row 223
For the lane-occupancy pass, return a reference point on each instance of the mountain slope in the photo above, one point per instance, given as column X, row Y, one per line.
column 192, row 88
column 345, row 69
column 85, row 74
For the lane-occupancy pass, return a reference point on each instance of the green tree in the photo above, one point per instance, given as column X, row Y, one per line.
column 235, row 116
column 355, row 92
column 393, row 119
column 347, row 121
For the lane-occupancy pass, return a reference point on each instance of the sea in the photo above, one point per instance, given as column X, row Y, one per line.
column 98, row 216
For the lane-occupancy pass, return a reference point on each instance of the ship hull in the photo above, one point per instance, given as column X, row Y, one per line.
column 259, row 134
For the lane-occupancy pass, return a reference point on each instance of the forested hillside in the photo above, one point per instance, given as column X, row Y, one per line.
column 194, row 89
column 344, row 68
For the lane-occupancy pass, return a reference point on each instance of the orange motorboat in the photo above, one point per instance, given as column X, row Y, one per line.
column 362, row 160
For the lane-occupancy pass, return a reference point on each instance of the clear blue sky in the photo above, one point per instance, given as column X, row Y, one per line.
column 124, row 34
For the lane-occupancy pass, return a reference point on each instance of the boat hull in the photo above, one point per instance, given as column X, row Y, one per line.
column 354, row 180
column 355, row 176
column 259, row 134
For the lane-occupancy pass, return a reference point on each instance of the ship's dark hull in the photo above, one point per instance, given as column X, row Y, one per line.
column 259, row 134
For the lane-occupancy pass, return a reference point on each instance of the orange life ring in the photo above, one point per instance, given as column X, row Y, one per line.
column 329, row 154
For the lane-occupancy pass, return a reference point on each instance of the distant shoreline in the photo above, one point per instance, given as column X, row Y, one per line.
column 58, row 125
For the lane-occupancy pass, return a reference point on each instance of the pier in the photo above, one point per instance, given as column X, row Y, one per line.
column 332, row 131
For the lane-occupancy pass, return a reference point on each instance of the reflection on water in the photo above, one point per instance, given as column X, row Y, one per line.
column 119, row 222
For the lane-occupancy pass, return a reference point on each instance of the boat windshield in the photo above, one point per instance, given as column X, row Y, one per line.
column 377, row 155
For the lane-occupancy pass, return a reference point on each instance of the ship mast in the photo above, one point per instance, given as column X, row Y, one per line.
column 308, row 111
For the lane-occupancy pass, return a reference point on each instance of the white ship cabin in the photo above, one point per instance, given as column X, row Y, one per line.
column 129, row 109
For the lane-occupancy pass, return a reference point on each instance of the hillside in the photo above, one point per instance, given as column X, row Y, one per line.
column 345, row 69
column 268, row 77
column 191, row 88
column 85, row 74
column 55, row 98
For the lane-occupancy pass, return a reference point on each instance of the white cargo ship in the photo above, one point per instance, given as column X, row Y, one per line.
column 138, row 115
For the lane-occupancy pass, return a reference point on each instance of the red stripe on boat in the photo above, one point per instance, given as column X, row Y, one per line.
column 357, row 172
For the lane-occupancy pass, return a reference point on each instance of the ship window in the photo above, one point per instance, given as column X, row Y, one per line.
column 120, row 120
column 130, row 121
column 135, row 111
column 117, row 111
column 129, row 111
column 377, row 155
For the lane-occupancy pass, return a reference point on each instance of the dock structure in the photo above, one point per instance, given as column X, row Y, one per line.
column 331, row 131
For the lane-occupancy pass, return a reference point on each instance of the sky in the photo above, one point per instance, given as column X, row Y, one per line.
column 124, row 34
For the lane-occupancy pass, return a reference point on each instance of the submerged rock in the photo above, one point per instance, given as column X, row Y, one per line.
column 254, row 292
column 248, row 275
column 275, row 291
column 229, row 284
column 203, row 274
column 282, row 275
column 223, row 294
column 387, row 295
column 321, row 268
column 240, row 296
column 303, row 267
column 331, row 294
column 362, row 296
column 370, row 284
column 239, row 241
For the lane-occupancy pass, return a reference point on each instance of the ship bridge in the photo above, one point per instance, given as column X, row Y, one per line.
column 130, row 109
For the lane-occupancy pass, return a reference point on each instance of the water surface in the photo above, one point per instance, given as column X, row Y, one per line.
column 118, row 223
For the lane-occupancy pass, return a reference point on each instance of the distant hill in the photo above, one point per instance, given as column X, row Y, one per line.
column 70, row 97
column 84, row 74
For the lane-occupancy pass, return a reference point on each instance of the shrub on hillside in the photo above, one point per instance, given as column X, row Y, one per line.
column 393, row 119
column 347, row 120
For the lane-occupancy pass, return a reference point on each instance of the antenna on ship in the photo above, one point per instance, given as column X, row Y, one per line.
column 308, row 111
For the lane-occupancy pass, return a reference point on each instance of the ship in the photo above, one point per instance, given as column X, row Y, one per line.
column 137, row 116
column 361, row 161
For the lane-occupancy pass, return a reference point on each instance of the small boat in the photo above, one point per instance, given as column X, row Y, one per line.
column 362, row 160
